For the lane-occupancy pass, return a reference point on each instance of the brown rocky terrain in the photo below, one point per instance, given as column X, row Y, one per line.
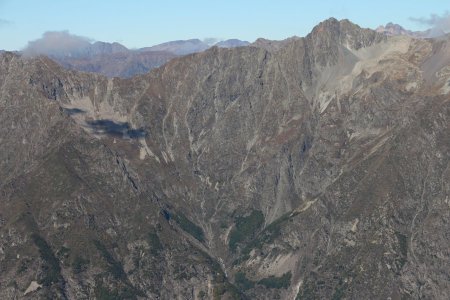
column 310, row 168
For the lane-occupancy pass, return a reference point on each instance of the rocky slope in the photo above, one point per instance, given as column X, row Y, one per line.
column 312, row 168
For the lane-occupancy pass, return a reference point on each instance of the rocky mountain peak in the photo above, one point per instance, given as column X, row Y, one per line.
column 344, row 32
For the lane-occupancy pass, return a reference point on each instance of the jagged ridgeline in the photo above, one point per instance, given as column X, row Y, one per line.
column 309, row 168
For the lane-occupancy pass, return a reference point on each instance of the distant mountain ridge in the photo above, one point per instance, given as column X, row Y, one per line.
column 180, row 47
column 183, row 47
column 116, row 60
column 392, row 29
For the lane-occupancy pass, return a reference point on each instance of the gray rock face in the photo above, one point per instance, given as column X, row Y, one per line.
column 312, row 168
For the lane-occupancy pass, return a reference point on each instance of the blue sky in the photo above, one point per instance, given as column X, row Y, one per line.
column 143, row 23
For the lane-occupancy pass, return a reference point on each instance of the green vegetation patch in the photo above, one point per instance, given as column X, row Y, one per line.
column 242, row 282
column 125, row 292
column 403, row 247
column 52, row 269
column 154, row 242
column 339, row 293
column 245, row 228
column 403, row 243
column 189, row 227
column 114, row 267
column 267, row 236
column 202, row 295
column 272, row 282
column 23, row 265
column 307, row 292
column 79, row 264
column 222, row 288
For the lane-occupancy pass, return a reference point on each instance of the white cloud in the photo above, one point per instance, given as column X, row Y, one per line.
column 211, row 41
column 436, row 22
column 57, row 43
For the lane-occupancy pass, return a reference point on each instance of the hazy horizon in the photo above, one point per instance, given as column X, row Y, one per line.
column 135, row 24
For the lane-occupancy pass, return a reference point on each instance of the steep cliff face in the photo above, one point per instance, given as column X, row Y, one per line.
column 315, row 167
